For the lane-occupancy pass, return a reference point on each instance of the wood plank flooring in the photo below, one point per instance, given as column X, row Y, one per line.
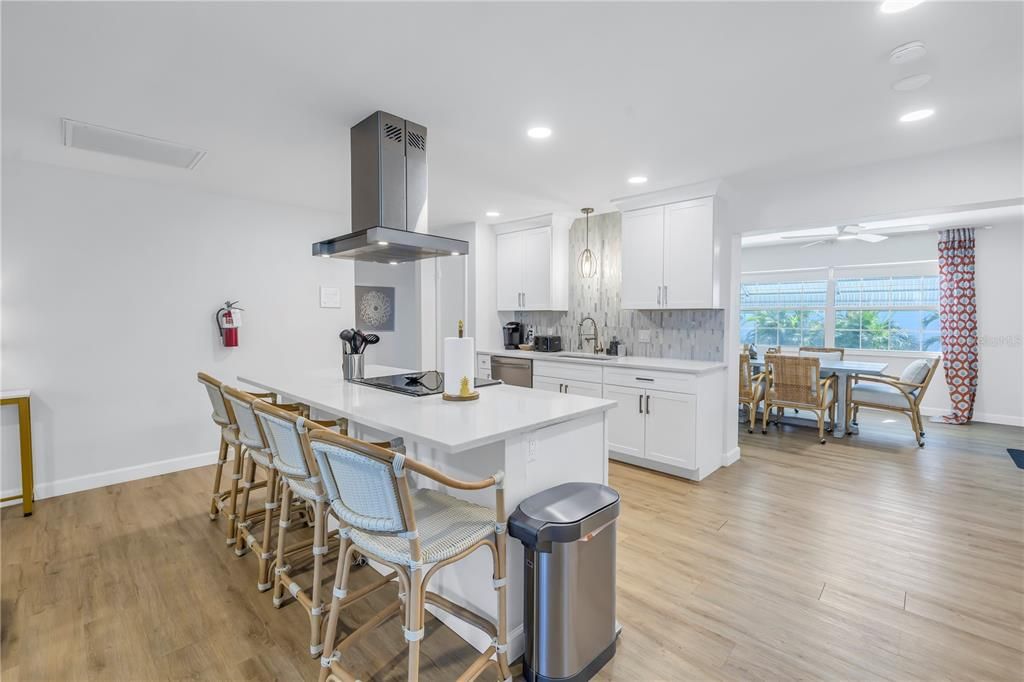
column 865, row 558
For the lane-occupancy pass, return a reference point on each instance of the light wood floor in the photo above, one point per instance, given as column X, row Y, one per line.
column 860, row 559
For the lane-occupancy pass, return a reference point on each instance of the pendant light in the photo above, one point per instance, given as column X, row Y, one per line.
column 587, row 263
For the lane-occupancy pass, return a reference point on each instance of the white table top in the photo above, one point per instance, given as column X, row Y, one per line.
column 501, row 411
column 627, row 362
column 11, row 393
column 843, row 366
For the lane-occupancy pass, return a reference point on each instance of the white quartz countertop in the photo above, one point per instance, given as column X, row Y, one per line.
column 501, row 411
column 626, row 362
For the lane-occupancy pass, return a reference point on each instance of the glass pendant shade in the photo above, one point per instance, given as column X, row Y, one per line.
column 587, row 262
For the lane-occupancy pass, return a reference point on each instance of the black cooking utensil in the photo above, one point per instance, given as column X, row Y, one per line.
column 346, row 336
column 371, row 339
column 358, row 342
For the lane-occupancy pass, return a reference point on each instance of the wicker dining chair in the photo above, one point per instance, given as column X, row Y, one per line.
column 822, row 352
column 300, row 479
column 794, row 381
column 901, row 394
column 751, row 389
column 408, row 530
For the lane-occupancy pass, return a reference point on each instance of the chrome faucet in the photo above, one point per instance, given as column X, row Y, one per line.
column 581, row 338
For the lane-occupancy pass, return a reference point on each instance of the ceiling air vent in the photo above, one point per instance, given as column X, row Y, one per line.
column 109, row 141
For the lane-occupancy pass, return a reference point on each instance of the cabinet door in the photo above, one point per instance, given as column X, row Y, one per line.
column 546, row 384
column 689, row 254
column 537, row 269
column 584, row 388
column 671, row 428
column 509, row 267
column 625, row 422
column 642, row 258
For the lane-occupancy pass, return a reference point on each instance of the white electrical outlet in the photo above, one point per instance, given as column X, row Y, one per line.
column 643, row 336
column 330, row 297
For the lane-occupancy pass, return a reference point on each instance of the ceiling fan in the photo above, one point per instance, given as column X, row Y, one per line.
column 842, row 233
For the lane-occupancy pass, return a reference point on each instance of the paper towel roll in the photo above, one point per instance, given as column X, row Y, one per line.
column 459, row 361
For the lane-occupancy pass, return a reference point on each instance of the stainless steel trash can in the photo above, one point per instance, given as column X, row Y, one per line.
column 568, row 533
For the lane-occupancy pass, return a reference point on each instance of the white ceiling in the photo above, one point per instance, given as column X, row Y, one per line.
column 677, row 92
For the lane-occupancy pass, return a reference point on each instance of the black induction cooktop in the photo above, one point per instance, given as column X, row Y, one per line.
column 417, row 383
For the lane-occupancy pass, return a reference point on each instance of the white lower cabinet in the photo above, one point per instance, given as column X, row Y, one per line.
column 546, row 384
column 670, row 429
column 655, row 425
column 626, row 422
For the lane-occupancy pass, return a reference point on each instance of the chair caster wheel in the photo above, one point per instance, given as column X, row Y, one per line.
column 920, row 443
column 823, row 441
column 750, row 430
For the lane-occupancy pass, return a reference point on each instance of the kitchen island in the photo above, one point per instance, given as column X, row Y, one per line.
column 538, row 438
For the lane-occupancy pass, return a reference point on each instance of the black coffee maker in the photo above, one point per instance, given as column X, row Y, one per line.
column 513, row 332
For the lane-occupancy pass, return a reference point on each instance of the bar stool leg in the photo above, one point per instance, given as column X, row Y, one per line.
column 500, row 582
column 338, row 594
column 222, row 458
column 243, row 518
column 264, row 583
column 283, row 523
column 236, row 475
column 414, row 621
column 316, row 604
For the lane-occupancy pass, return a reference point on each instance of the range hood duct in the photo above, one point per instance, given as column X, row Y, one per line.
column 389, row 197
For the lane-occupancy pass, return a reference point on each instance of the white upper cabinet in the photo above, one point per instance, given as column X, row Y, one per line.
column 668, row 256
column 643, row 236
column 532, row 264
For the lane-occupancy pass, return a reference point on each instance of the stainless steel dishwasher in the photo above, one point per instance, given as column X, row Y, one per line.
column 514, row 371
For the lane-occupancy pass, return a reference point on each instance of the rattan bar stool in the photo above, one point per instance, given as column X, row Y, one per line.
column 408, row 531
column 258, row 456
column 300, row 479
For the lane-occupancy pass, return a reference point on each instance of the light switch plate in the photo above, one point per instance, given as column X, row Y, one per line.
column 330, row 297
column 643, row 335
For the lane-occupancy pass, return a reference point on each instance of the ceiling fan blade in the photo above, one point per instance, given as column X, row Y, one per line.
column 870, row 238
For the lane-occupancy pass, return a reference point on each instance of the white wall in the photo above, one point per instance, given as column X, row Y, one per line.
column 109, row 291
column 401, row 347
column 1000, row 295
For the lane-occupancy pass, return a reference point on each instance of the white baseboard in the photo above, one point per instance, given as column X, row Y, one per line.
column 104, row 478
column 731, row 457
column 984, row 418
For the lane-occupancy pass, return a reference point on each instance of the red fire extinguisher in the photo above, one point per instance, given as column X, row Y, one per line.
column 229, row 319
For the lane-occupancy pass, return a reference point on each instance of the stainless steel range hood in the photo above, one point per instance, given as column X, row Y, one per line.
column 389, row 197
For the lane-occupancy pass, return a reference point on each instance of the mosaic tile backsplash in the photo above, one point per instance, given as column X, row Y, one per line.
column 681, row 334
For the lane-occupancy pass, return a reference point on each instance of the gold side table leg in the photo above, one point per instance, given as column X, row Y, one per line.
column 25, row 436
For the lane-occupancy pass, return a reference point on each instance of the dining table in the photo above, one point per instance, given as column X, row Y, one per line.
column 842, row 369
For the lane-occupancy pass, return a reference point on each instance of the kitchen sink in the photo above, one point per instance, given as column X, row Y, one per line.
column 587, row 356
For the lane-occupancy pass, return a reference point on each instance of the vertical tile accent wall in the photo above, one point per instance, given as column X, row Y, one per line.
column 682, row 334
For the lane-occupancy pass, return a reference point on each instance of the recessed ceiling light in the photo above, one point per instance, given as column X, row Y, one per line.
column 324, row 255
column 455, row 253
column 637, row 180
column 912, row 82
column 918, row 115
column 539, row 133
column 897, row 6
column 492, row 214
column 394, row 262
column 382, row 243
column 907, row 52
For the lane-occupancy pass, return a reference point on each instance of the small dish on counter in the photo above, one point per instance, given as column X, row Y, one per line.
column 526, row 346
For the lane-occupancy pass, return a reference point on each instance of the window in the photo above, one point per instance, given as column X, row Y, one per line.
column 783, row 313
column 877, row 311
column 887, row 313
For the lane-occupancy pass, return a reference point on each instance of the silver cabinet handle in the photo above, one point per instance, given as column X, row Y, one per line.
column 648, row 403
column 641, row 406
column 665, row 297
column 643, row 378
column 659, row 295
